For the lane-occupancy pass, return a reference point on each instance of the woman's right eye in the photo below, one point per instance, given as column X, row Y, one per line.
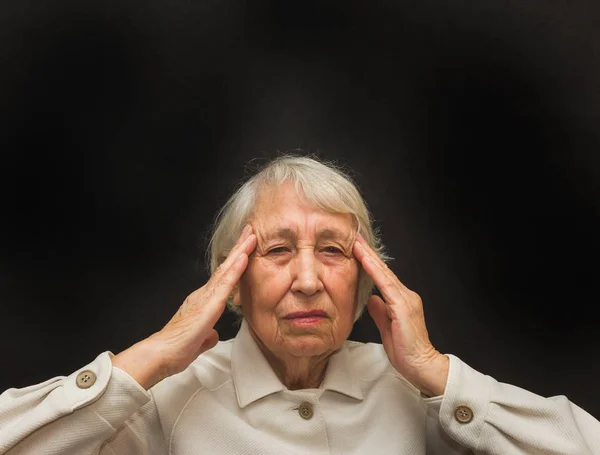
column 278, row 250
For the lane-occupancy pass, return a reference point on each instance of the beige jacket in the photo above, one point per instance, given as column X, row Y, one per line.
column 229, row 401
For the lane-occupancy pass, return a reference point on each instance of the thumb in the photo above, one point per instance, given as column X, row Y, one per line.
column 210, row 341
column 378, row 311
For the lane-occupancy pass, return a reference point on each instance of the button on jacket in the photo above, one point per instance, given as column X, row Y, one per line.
column 229, row 401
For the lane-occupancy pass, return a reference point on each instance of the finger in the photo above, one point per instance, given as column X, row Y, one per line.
column 364, row 253
column 245, row 247
column 216, row 291
column 238, row 246
column 378, row 310
column 369, row 251
column 246, row 232
column 385, row 280
column 221, row 286
column 211, row 341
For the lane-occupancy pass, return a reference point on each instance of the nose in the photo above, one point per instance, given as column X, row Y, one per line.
column 306, row 272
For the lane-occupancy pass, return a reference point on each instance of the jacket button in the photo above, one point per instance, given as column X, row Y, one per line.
column 86, row 379
column 463, row 414
column 305, row 410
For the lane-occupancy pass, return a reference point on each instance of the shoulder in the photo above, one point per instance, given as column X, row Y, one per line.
column 368, row 360
column 371, row 363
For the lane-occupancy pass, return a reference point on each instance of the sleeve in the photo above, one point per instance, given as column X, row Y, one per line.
column 480, row 415
column 99, row 409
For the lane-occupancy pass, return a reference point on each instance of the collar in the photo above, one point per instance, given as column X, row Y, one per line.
column 253, row 377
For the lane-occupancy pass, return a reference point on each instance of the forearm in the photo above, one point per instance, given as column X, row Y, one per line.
column 488, row 416
column 67, row 413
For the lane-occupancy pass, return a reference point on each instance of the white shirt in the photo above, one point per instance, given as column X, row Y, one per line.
column 229, row 401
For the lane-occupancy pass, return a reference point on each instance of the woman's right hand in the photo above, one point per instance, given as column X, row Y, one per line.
column 190, row 331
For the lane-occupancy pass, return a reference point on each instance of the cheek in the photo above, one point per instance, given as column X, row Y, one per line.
column 265, row 282
column 348, row 271
column 343, row 282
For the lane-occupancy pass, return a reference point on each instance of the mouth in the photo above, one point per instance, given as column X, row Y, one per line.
column 306, row 318
column 307, row 314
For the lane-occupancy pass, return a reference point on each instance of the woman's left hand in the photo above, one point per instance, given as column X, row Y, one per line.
column 401, row 322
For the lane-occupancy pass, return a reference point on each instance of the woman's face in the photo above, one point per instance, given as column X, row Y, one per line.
column 299, row 290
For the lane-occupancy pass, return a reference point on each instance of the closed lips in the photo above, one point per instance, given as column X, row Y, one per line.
column 306, row 314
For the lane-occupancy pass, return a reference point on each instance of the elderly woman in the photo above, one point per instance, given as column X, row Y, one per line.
column 294, row 254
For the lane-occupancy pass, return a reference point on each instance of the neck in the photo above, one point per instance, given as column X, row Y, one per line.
column 299, row 372
column 296, row 372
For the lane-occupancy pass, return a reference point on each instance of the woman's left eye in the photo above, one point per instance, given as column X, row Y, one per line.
column 332, row 250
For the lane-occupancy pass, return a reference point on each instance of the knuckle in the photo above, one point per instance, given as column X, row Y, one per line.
column 210, row 292
column 216, row 281
column 227, row 281
column 388, row 282
column 414, row 296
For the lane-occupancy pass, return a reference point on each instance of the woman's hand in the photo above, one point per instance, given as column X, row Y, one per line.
column 401, row 323
column 190, row 331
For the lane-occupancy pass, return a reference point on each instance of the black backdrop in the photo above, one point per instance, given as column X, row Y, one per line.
column 472, row 130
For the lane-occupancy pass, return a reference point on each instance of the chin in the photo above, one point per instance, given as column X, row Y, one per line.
column 307, row 345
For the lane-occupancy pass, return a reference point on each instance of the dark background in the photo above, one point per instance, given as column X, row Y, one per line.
column 472, row 130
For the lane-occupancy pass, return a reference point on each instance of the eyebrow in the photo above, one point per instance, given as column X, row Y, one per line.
column 322, row 234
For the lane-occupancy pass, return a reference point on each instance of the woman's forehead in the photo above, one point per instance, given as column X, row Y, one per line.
column 329, row 232
column 323, row 226
column 281, row 212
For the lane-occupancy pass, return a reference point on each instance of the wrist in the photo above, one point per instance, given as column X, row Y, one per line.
column 142, row 362
column 433, row 377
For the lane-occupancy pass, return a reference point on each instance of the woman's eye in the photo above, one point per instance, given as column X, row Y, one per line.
column 332, row 250
column 278, row 250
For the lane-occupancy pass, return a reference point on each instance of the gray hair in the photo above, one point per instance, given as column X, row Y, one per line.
column 323, row 184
